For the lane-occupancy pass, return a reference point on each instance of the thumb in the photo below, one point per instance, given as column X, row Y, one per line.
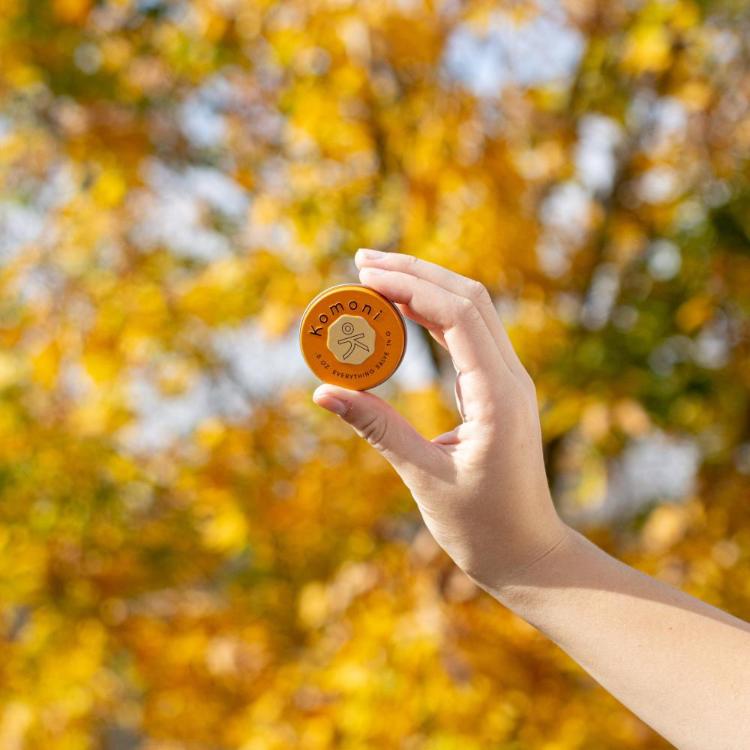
column 384, row 428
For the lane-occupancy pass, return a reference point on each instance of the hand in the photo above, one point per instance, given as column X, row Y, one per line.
column 481, row 488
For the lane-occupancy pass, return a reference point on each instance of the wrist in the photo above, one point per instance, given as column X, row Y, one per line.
column 512, row 588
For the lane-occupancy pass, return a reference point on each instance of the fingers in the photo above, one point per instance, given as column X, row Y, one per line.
column 466, row 335
column 434, row 332
column 453, row 282
column 384, row 428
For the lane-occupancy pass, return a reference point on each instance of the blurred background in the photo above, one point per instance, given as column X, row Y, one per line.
column 193, row 556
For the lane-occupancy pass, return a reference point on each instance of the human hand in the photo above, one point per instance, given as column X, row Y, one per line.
column 481, row 488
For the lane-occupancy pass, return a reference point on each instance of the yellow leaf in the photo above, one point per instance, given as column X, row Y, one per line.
column 101, row 366
column 224, row 528
column 45, row 365
column 312, row 606
column 694, row 313
column 665, row 526
column 109, row 189
column 10, row 369
column 71, row 11
column 648, row 49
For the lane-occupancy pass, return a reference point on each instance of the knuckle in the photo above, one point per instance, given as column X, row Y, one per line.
column 477, row 292
column 468, row 311
column 374, row 429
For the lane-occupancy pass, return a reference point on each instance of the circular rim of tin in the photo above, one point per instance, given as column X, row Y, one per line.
column 354, row 285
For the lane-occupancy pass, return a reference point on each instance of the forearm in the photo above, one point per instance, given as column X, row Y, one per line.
column 675, row 661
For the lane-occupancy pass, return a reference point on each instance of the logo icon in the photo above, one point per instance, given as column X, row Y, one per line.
column 351, row 339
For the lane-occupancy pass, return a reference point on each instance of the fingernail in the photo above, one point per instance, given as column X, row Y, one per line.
column 368, row 254
column 337, row 406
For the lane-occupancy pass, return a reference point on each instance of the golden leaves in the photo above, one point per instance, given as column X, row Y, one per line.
column 71, row 11
column 109, row 189
column 650, row 41
column 665, row 526
column 694, row 312
column 230, row 291
column 10, row 369
column 648, row 49
column 45, row 364
column 222, row 524
column 225, row 282
column 261, row 579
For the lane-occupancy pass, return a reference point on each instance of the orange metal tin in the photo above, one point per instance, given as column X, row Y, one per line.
column 352, row 336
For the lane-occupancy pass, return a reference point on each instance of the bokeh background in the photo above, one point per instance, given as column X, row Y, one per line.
column 193, row 556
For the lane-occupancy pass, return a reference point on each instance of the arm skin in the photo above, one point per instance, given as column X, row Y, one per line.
column 681, row 665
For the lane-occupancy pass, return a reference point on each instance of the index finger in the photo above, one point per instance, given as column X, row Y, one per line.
column 453, row 282
column 469, row 341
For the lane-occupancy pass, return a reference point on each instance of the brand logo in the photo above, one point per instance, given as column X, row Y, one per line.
column 351, row 339
column 337, row 308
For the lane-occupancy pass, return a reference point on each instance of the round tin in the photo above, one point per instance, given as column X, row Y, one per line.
column 352, row 336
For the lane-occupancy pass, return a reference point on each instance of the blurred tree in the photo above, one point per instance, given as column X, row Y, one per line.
column 175, row 174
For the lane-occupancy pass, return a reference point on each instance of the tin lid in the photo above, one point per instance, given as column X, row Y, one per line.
column 352, row 336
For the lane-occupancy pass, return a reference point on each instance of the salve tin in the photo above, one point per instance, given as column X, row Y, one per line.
column 352, row 336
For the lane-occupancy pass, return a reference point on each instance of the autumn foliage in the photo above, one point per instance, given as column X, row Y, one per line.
column 192, row 555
